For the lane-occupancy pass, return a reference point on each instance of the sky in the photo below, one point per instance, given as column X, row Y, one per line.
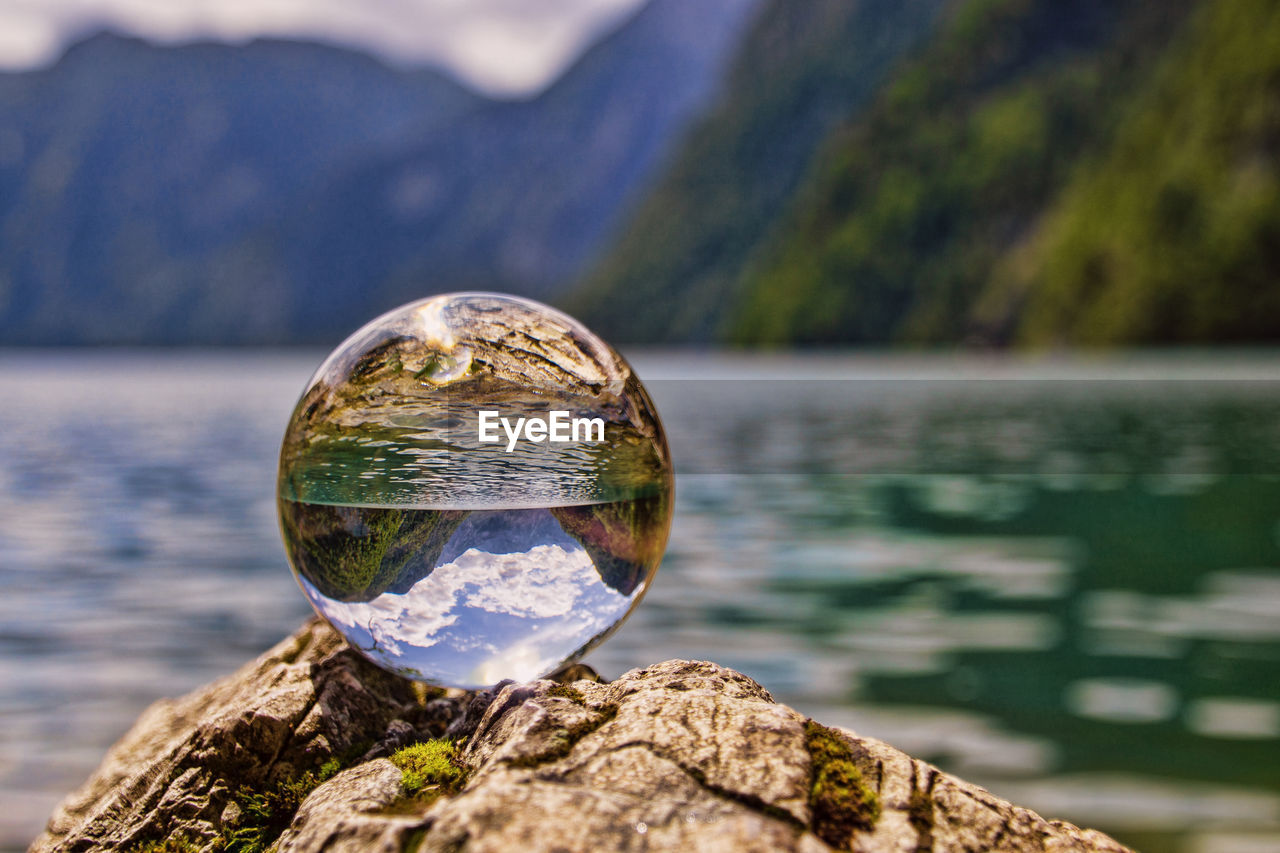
column 500, row 46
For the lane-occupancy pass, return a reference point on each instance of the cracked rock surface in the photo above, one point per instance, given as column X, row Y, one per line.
column 680, row 755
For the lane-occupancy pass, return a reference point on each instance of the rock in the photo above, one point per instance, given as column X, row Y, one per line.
column 681, row 755
column 308, row 700
column 350, row 812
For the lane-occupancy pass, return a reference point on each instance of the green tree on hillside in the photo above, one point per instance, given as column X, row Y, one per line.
column 802, row 69
column 1174, row 235
column 914, row 204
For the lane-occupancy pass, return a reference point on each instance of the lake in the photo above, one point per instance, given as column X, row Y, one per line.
column 1056, row 578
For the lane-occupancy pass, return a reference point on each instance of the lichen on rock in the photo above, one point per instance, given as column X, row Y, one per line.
column 680, row 755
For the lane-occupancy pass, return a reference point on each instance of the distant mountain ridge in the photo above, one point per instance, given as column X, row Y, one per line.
column 279, row 192
column 1026, row 172
column 744, row 172
column 915, row 206
column 124, row 165
column 802, row 69
column 521, row 196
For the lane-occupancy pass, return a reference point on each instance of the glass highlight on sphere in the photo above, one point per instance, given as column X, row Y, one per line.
column 474, row 487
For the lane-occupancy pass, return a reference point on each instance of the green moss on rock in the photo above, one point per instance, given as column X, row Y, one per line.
column 430, row 769
column 840, row 801
column 564, row 691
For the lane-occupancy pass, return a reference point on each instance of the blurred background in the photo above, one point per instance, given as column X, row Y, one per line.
column 960, row 314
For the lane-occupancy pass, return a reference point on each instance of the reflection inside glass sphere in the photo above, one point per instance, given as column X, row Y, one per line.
column 456, row 560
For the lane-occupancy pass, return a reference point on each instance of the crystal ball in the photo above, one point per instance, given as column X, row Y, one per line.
column 474, row 487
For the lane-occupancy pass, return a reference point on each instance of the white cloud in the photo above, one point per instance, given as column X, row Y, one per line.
column 501, row 46
column 26, row 37
column 546, row 583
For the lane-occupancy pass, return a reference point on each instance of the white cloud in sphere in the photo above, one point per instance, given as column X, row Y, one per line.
column 501, row 46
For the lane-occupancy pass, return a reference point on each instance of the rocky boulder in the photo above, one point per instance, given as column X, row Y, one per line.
column 312, row 748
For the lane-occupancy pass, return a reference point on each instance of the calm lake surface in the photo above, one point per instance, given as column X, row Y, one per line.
column 1058, row 579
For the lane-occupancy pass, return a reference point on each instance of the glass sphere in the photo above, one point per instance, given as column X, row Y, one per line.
column 474, row 487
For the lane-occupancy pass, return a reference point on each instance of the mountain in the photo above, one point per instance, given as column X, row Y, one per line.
column 281, row 192
column 914, row 203
column 123, row 165
column 1172, row 235
column 514, row 196
column 880, row 172
column 801, row 70
column 1026, row 172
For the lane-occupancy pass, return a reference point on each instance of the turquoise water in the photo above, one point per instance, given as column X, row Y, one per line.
column 1060, row 580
